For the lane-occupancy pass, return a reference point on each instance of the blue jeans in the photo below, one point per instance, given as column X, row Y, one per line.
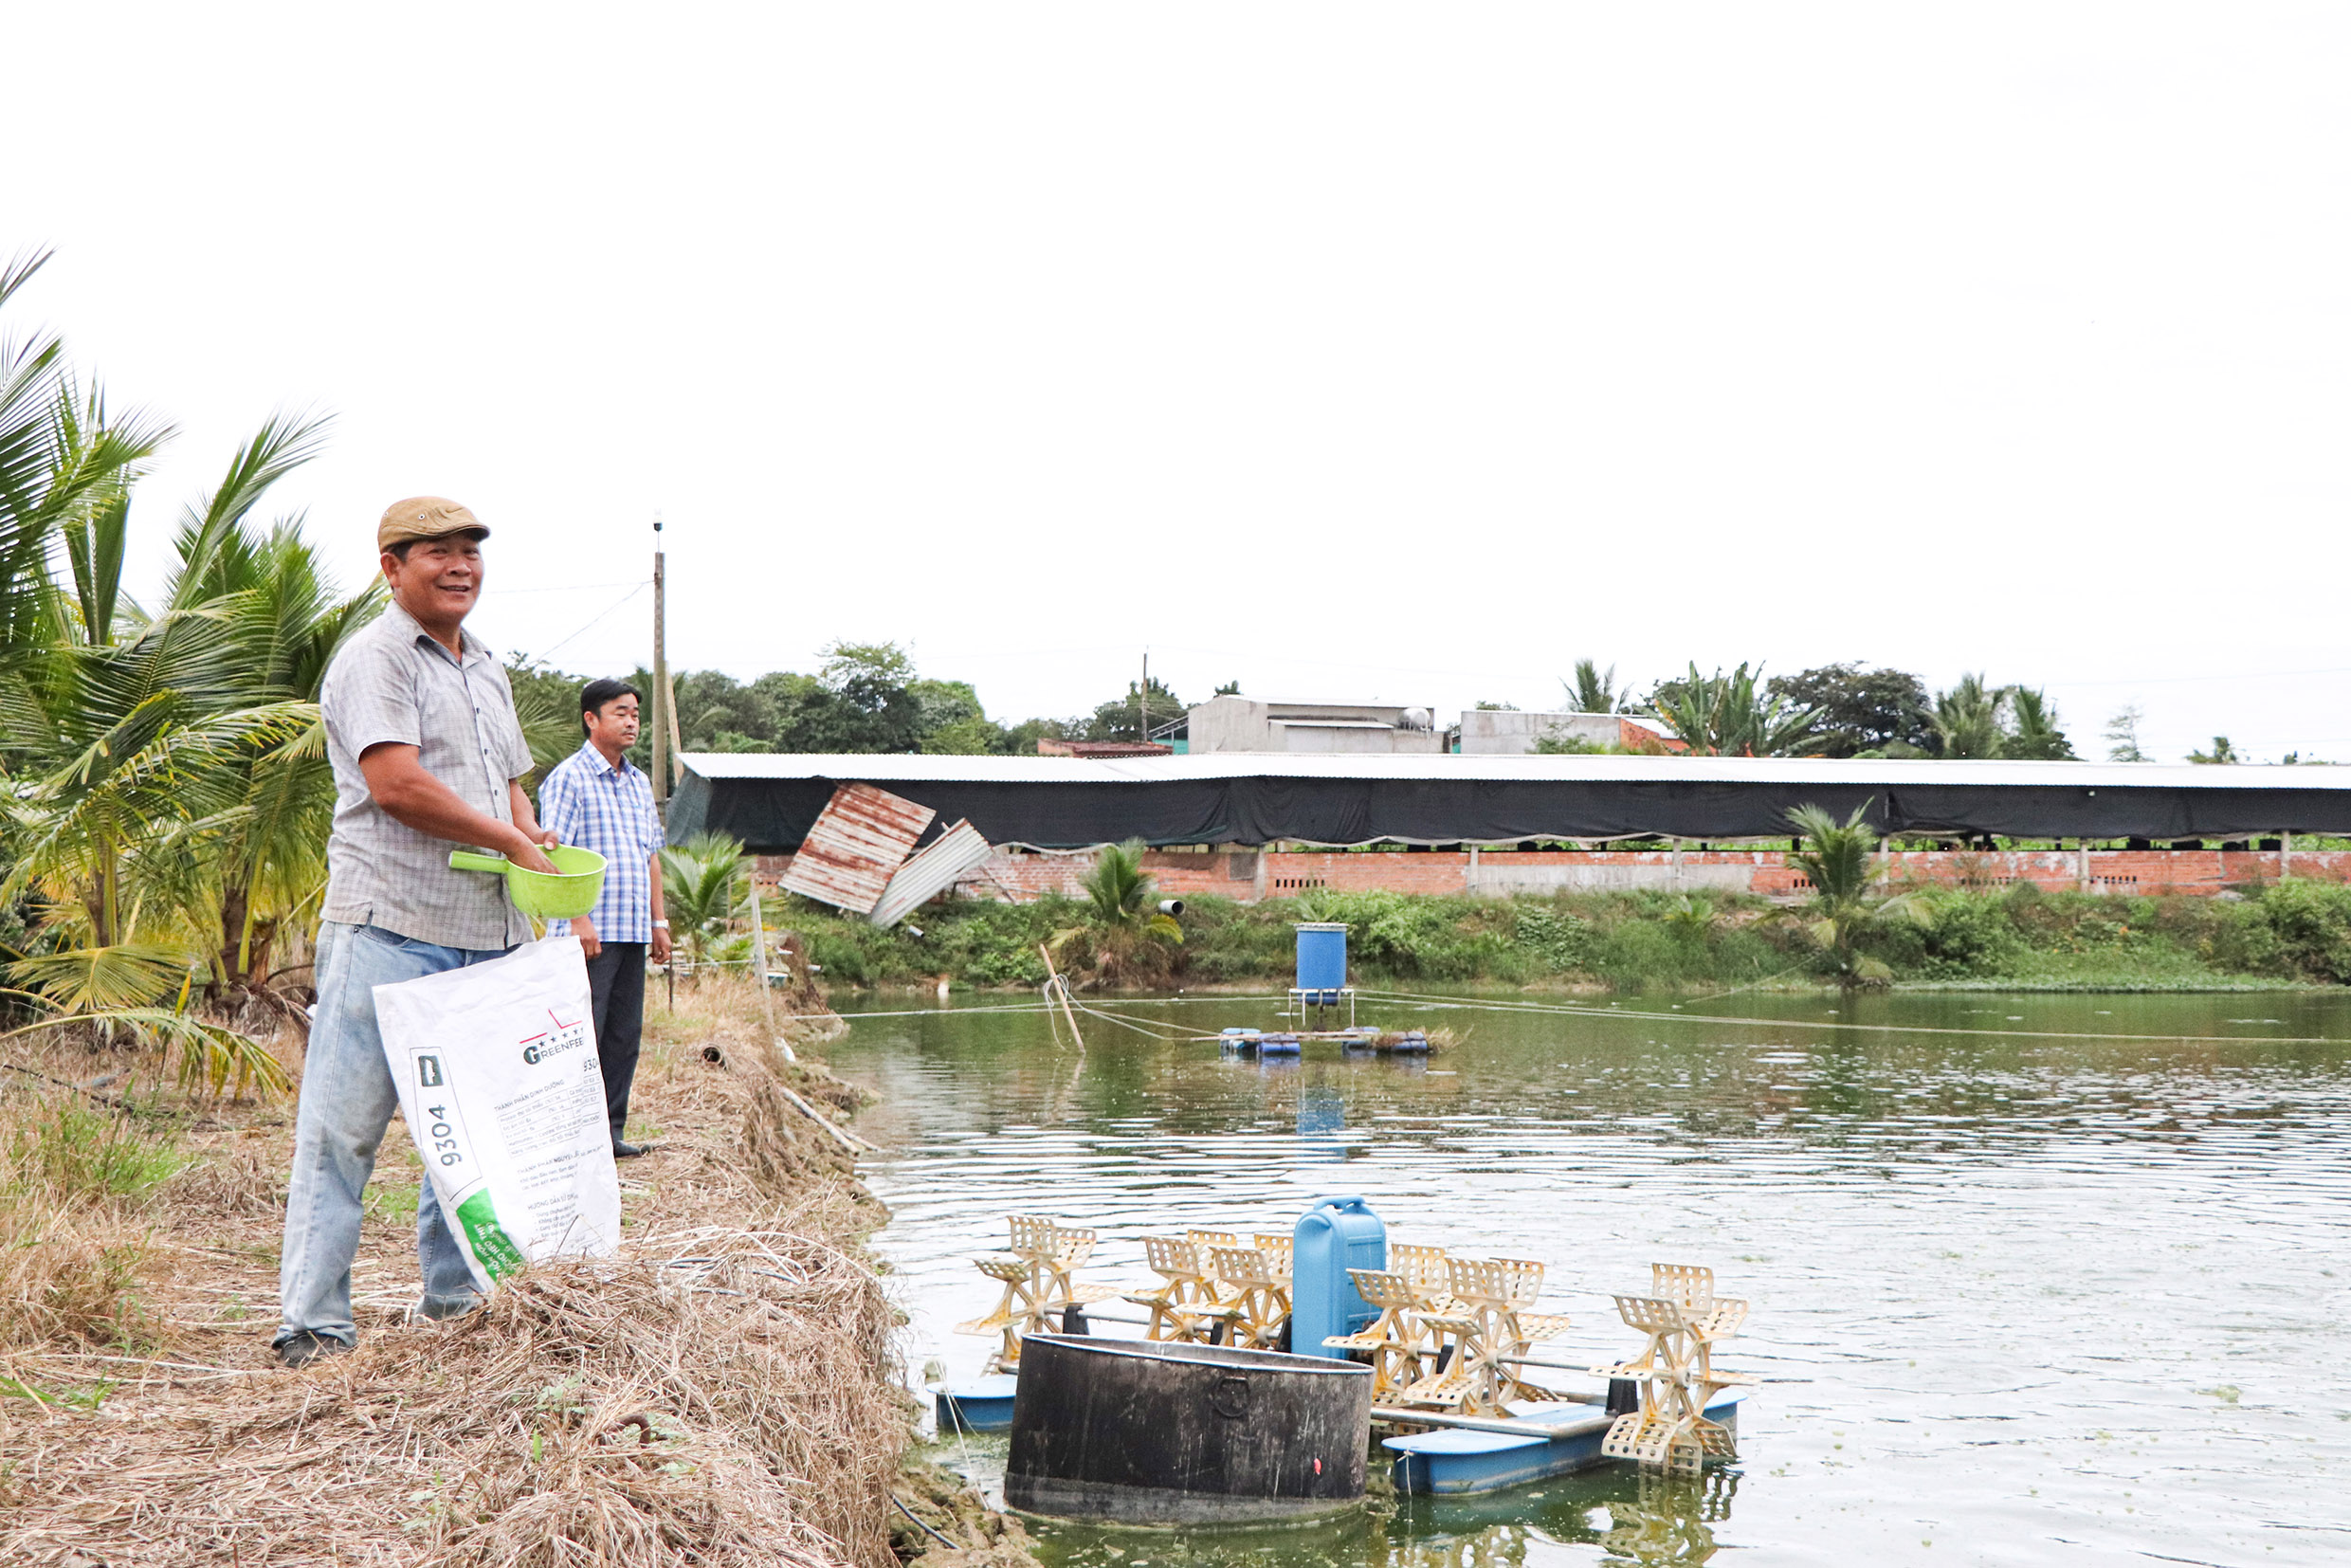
column 347, row 1102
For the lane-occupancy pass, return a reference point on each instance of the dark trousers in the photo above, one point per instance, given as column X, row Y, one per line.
column 617, row 1006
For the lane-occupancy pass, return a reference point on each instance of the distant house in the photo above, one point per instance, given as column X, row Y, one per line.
column 1047, row 746
column 1351, row 729
column 1506, row 732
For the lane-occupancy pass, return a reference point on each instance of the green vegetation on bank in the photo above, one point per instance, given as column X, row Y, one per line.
column 2291, row 933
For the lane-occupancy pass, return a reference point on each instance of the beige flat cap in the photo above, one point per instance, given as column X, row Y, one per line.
column 426, row 518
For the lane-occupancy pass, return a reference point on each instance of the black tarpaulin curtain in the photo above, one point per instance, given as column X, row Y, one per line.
column 771, row 816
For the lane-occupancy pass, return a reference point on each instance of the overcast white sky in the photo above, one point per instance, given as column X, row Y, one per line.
column 1345, row 350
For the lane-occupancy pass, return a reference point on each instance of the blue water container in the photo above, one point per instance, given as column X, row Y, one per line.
column 1334, row 1235
column 1322, row 958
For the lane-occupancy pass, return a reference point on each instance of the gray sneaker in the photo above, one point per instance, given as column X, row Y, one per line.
column 307, row 1345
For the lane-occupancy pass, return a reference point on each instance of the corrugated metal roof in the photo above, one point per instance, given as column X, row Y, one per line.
column 857, row 844
column 1446, row 767
column 939, row 866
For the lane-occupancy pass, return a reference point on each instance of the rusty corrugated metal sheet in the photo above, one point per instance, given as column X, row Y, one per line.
column 855, row 846
column 939, row 866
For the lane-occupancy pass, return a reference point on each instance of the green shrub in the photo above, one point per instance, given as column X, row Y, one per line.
column 2311, row 922
column 839, row 955
column 1562, row 940
column 1966, row 935
column 1229, row 941
column 1638, row 953
column 1632, row 940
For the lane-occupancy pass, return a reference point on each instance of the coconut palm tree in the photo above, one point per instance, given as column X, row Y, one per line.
column 67, row 466
column 115, row 729
column 1968, row 718
column 1123, row 924
column 2036, row 735
column 1843, row 877
column 1594, row 690
column 267, row 852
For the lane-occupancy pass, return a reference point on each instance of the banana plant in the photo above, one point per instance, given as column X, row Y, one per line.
column 1733, row 715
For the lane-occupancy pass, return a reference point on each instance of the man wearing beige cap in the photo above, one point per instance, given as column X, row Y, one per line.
column 427, row 755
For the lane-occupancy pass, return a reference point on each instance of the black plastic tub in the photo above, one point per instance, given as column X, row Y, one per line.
column 1130, row 1431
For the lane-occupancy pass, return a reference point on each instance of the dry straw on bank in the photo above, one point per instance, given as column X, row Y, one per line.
column 718, row 1405
column 723, row 1393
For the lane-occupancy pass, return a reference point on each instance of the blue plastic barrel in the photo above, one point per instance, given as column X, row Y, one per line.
column 1334, row 1235
column 1322, row 956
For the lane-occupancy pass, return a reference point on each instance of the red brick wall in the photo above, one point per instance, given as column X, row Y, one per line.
column 1021, row 877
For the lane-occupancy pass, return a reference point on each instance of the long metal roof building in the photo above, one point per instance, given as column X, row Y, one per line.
column 1064, row 803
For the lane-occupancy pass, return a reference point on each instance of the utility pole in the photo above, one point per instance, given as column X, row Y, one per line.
column 1143, row 702
column 661, row 680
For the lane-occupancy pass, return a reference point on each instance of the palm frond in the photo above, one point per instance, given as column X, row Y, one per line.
column 207, row 1055
column 217, row 555
column 703, row 887
column 91, row 979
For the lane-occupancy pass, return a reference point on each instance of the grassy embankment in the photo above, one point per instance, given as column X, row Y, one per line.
column 2293, row 933
column 725, row 1392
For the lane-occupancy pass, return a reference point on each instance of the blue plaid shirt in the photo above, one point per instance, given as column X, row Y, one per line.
column 587, row 803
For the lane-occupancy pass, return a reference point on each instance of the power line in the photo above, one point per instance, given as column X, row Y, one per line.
column 549, row 652
column 561, row 588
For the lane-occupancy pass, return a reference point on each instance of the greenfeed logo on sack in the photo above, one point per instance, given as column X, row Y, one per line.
column 561, row 1038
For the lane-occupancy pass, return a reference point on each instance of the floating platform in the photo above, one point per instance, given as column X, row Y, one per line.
column 983, row 1404
column 1253, row 1042
column 1488, row 1456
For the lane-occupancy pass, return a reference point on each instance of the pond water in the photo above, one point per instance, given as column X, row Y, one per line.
column 2019, row 1299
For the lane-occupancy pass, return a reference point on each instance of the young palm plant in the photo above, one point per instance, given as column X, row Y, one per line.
column 1844, row 905
column 1127, row 931
column 703, row 882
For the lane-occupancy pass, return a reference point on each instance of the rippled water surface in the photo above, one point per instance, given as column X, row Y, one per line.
column 2022, row 1300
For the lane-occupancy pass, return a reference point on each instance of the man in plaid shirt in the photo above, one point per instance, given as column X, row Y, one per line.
column 595, row 799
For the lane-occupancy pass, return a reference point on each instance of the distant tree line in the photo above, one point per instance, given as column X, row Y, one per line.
column 868, row 697
column 1838, row 710
column 864, row 697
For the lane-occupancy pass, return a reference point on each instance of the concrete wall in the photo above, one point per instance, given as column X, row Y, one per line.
column 1249, row 875
column 1352, row 739
column 1229, row 724
column 1502, row 732
column 1350, row 729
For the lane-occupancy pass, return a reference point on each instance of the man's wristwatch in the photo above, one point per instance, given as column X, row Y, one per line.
column 661, row 925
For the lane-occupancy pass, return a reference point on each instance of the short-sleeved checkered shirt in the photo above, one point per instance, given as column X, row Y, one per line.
column 392, row 683
column 588, row 802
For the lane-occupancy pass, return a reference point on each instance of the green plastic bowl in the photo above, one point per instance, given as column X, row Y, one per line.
column 565, row 897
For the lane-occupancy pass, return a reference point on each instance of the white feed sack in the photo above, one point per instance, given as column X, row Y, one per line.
column 499, row 1084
